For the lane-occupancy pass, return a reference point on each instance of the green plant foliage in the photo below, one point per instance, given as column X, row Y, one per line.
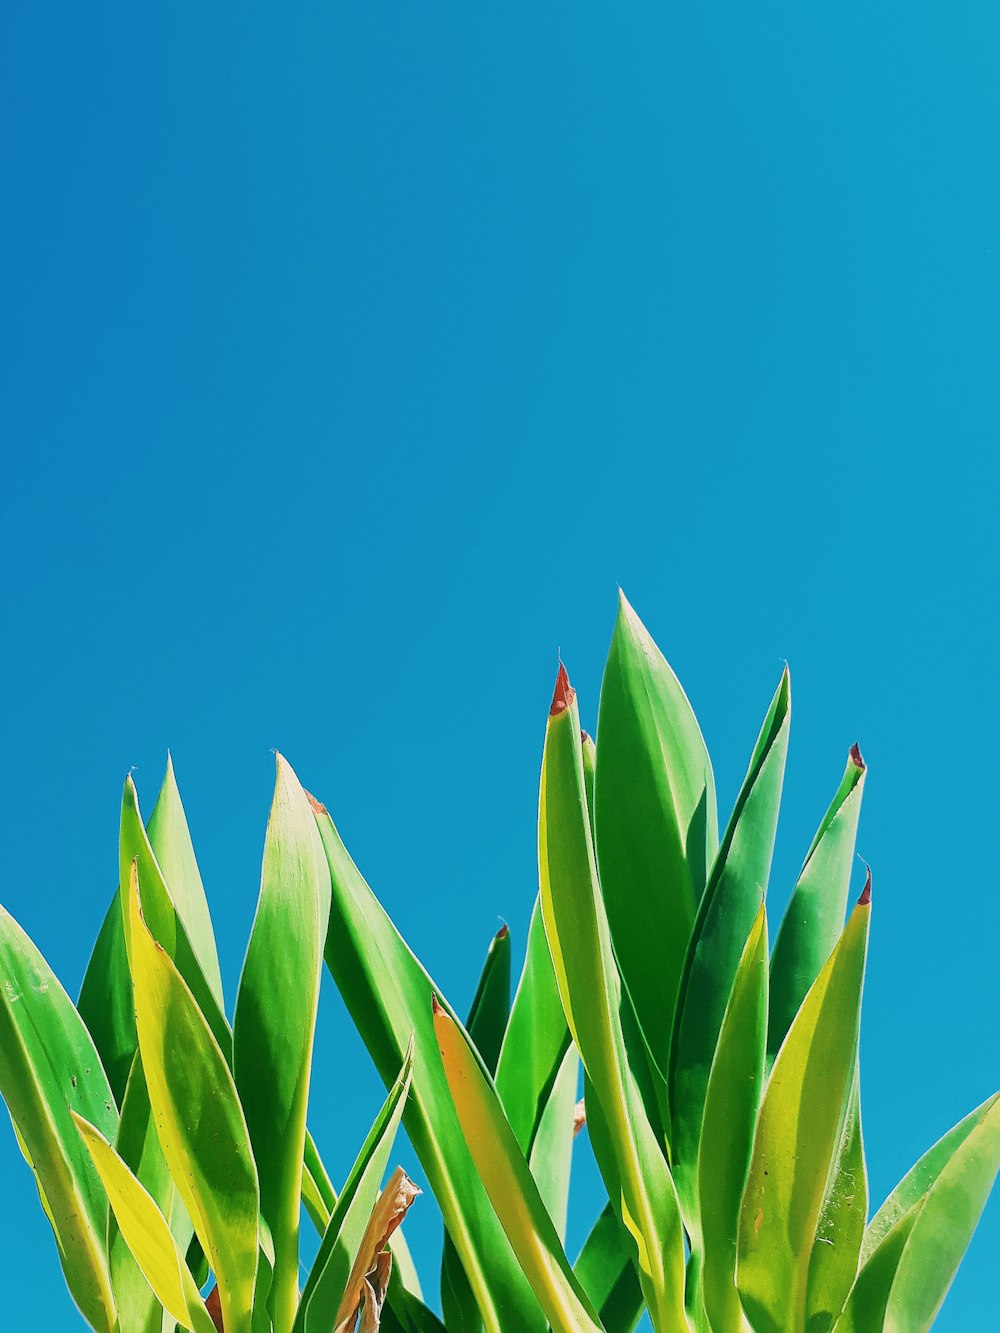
column 722, row 1084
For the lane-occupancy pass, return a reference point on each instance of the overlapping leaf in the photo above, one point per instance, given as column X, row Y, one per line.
column 276, row 1021
column 656, row 823
column 800, row 1126
column 49, row 1068
column 198, row 1116
column 736, row 885
column 510, row 1185
column 388, row 994
column 579, row 940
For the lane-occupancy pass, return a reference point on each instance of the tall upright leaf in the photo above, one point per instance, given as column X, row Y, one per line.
column 198, row 1117
column 798, row 1132
column 656, row 822
column 49, row 1067
column 275, row 1021
column 170, row 840
column 485, row 1025
column 510, row 1185
column 178, row 913
column 736, row 885
column 388, row 995
column 734, row 1091
column 579, row 940
column 815, row 914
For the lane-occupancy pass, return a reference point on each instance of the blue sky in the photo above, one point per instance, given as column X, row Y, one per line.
column 352, row 356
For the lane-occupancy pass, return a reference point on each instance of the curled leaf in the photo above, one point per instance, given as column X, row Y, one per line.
column 369, row 1279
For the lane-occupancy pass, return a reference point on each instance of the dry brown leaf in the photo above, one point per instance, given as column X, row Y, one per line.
column 369, row 1279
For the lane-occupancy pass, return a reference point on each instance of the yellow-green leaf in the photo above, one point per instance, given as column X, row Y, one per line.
column 510, row 1185
column 798, row 1132
column 198, row 1117
column 147, row 1234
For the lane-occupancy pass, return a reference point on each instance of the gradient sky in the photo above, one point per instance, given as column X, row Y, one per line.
column 353, row 355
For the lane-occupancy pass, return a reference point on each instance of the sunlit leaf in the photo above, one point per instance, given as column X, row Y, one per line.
column 798, row 1133
column 388, row 995
column 510, row 1185
column 734, row 1091
column 275, row 1021
column 199, row 1118
column 49, row 1068
column 147, row 1234
column 576, row 927
column 656, row 823
column 815, row 914
column 736, row 885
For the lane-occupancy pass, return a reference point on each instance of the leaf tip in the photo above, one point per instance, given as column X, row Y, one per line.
column 866, row 892
column 564, row 693
column 856, row 757
column 503, row 932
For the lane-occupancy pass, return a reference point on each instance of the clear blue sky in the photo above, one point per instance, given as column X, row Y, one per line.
column 353, row 354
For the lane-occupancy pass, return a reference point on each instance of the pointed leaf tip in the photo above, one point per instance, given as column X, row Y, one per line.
column 564, row 693
column 856, row 758
column 584, row 737
column 435, row 1007
column 503, row 932
column 866, row 892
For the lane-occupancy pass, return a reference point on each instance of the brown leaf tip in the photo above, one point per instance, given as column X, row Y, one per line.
column 866, row 892
column 856, row 758
column 435, row 1007
column 214, row 1306
column 584, row 737
column 564, row 693
column 503, row 932
column 318, row 807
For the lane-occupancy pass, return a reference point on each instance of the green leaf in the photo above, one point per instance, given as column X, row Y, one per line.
column 275, row 1021
column 736, row 885
column 485, row 1025
column 607, row 1274
column 799, row 1130
column 550, row 1157
column 731, row 1104
column 815, row 914
column 579, row 940
column 331, row 1269
column 535, row 1042
column 510, row 1185
column 198, row 1116
column 865, row 1308
column 138, row 1146
column 179, row 917
column 841, row 1227
column 105, row 1003
column 147, row 1234
column 656, row 822
column 388, row 995
column 163, row 918
column 916, row 1241
column 49, row 1068
column 170, row 841
column 921, row 1177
